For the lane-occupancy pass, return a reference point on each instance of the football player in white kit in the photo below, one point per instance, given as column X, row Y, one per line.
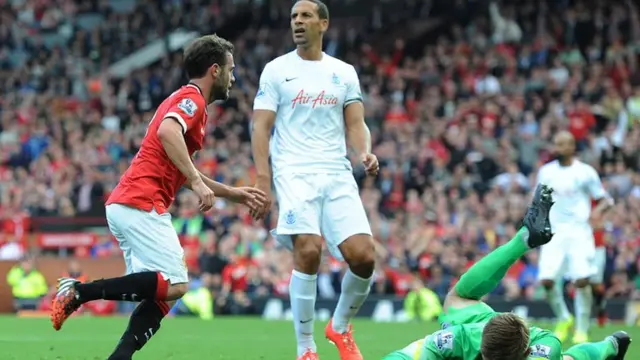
column 315, row 104
column 571, row 252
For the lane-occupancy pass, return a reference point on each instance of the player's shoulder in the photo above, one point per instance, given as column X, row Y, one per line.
column 281, row 62
column 189, row 91
column 554, row 164
column 544, row 344
column 188, row 100
column 585, row 166
column 339, row 65
column 277, row 69
column 584, row 169
column 446, row 339
column 334, row 61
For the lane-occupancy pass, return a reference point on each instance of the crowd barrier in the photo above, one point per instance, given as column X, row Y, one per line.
column 382, row 309
column 390, row 309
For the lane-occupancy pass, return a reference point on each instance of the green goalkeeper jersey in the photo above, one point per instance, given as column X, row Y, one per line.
column 461, row 336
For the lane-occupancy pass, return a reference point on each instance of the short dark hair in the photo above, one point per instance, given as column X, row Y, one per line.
column 505, row 337
column 323, row 10
column 203, row 52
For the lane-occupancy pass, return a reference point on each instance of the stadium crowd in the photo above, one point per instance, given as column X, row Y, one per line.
column 460, row 126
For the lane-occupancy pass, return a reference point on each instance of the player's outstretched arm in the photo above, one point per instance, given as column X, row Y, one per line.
column 253, row 198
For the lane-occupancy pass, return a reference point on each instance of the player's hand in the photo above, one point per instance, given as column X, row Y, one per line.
column 371, row 165
column 206, row 195
column 251, row 197
column 264, row 186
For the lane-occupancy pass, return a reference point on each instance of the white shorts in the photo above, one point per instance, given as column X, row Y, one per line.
column 570, row 254
column 327, row 205
column 600, row 264
column 148, row 242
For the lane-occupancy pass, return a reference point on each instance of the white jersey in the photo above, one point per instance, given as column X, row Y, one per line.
column 308, row 98
column 574, row 187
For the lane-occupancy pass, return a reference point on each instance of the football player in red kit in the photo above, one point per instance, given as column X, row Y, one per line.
column 137, row 209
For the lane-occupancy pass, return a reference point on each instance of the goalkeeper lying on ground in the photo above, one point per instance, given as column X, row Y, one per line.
column 471, row 330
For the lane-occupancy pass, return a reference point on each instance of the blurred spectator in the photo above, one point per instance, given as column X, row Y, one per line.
column 235, row 274
column 211, row 261
column 28, row 285
column 75, row 271
column 422, row 303
column 198, row 301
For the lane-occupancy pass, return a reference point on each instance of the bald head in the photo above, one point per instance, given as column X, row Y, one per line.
column 565, row 146
column 564, row 135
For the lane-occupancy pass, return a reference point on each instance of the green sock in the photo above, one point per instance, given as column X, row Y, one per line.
column 593, row 351
column 487, row 273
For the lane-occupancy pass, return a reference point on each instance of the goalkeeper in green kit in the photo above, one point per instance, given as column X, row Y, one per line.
column 471, row 330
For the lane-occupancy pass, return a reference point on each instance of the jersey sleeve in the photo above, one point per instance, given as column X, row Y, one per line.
column 546, row 348
column 412, row 351
column 540, row 176
column 594, row 185
column 267, row 97
column 441, row 345
column 187, row 109
column 354, row 94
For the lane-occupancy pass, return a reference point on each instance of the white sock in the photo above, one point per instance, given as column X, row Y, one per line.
column 302, row 292
column 582, row 303
column 354, row 292
column 557, row 303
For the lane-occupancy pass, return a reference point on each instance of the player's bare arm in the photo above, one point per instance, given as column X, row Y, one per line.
column 171, row 135
column 263, row 121
column 251, row 197
column 359, row 137
column 602, row 206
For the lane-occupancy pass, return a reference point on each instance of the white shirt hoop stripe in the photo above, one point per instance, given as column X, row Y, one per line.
column 179, row 119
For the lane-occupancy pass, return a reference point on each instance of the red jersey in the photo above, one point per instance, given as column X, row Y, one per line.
column 152, row 180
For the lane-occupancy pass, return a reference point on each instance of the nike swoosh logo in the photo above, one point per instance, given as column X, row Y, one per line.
column 289, row 79
column 306, row 321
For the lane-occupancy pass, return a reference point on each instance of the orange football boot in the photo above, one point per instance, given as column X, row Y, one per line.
column 65, row 302
column 345, row 343
column 309, row 355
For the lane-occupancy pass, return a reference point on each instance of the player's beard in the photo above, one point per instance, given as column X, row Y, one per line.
column 220, row 91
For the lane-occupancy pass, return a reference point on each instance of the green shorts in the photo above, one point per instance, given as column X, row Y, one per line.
column 470, row 314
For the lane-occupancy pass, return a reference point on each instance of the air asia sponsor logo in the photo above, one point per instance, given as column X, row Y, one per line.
column 322, row 99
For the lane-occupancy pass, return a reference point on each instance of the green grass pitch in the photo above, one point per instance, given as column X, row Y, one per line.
column 89, row 338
